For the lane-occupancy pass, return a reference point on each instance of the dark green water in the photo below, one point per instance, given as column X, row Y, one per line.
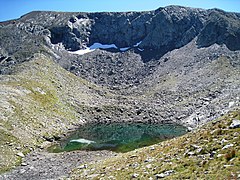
column 118, row 137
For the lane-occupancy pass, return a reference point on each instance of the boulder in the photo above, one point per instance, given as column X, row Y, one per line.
column 235, row 124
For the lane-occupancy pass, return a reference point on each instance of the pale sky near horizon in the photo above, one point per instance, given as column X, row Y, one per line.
column 12, row 9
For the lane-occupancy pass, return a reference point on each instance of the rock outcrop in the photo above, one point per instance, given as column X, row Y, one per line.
column 158, row 31
column 221, row 28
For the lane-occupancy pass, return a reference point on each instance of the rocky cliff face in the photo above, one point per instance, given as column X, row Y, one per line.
column 158, row 31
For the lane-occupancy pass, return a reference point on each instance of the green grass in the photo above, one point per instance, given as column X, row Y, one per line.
column 7, row 155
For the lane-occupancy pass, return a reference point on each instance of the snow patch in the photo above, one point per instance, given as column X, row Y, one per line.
column 136, row 45
column 124, row 49
column 82, row 51
column 103, row 46
column 94, row 47
column 84, row 141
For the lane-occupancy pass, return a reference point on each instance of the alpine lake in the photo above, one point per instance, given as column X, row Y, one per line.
column 117, row 137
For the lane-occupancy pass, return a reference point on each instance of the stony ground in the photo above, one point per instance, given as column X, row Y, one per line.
column 43, row 165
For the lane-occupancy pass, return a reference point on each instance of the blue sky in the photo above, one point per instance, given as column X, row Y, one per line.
column 11, row 9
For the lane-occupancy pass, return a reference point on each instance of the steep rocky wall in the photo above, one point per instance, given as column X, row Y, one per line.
column 221, row 28
column 159, row 31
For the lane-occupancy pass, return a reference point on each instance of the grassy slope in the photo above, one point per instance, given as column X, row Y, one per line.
column 196, row 155
column 39, row 99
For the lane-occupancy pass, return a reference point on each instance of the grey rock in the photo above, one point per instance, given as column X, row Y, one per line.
column 164, row 174
column 227, row 165
column 18, row 148
column 135, row 175
column 84, row 166
column 152, row 148
column 148, row 160
column 224, row 141
column 22, row 171
column 221, row 28
column 24, row 164
column 191, row 153
column 227, row 146
column 20, row 154
column 149, row 166
column 235, row 124
column 195, row 146
column 92, row 176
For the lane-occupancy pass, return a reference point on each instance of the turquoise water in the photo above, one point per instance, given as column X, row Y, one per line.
column 118, row 137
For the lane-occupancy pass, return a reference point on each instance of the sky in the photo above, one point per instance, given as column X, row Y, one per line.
column 12, row 9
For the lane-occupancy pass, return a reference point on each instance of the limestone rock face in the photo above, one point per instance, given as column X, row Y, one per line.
column 167, row 28
column 221, row 28
column 159, row 31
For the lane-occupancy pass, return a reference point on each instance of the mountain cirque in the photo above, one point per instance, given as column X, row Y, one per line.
column 174, row 64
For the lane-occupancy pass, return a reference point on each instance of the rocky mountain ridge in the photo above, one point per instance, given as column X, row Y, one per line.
column 158, row 31
column 155, row 33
